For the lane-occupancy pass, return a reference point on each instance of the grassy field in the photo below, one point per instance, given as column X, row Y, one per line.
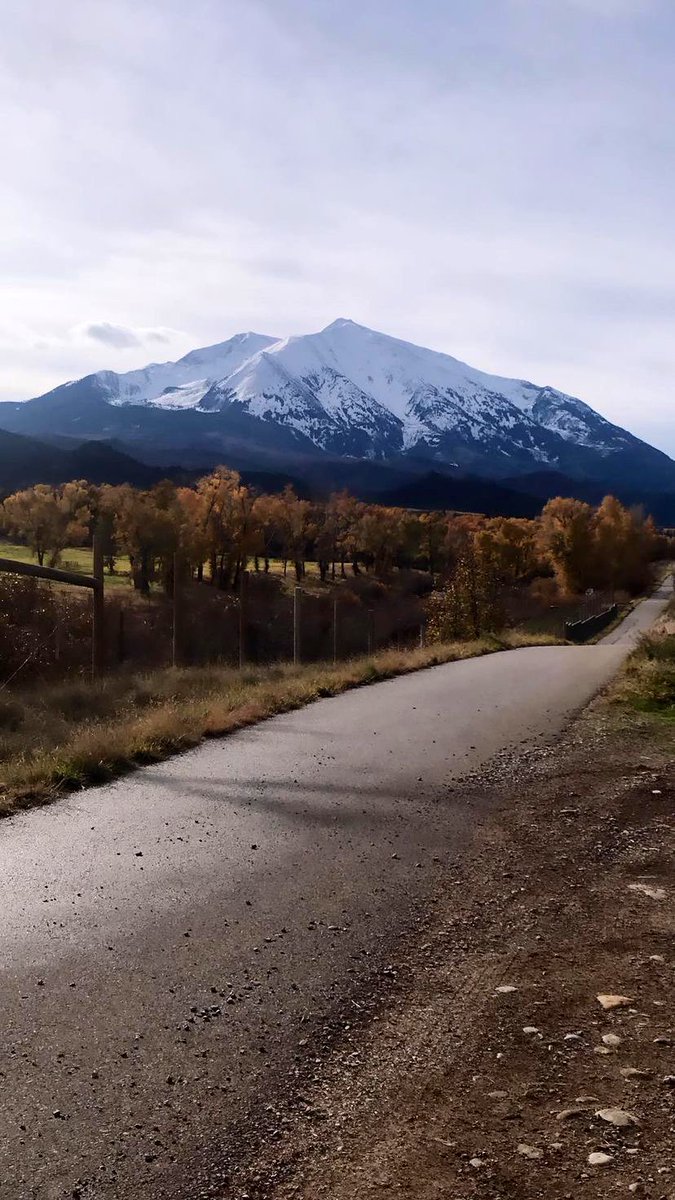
column 74, row 558
column 79, row 558
column 63, row 736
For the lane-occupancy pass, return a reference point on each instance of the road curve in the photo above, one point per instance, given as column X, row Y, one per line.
column 171, row 942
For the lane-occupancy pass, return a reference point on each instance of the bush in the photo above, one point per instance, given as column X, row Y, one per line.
column 11, row 715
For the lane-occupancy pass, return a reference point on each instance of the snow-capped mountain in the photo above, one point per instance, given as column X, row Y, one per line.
column 345, row 391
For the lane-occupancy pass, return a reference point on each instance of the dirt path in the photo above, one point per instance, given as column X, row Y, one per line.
column 456, row 1089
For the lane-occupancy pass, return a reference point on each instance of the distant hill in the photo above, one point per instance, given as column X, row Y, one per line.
column 544, row 485
column 437, row 492
column 25, row 461
column 404, row 483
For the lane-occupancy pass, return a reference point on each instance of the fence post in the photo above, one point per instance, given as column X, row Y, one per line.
column 243, row 592
column 98, row 611
column 421, row 635
column 335, row 630
column 177, row 628
column 121, row 649
column 297, row 594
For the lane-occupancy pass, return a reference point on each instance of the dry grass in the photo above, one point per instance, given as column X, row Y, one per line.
column 648, row 680
column 68, row 735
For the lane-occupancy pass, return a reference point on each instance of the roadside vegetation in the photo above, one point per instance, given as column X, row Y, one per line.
column 389, row 571
column 648, row 681
column 59, row 738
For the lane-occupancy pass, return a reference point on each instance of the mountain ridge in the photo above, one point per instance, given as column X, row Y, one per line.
column 346, row 391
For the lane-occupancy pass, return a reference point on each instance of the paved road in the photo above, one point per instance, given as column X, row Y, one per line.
column 173, row 942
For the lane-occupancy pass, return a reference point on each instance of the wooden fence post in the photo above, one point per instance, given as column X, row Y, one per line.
column 335, row 630
column 177, row 627
column 121, row 647
column 243, row 595
column 98, row 611
column 297, row 594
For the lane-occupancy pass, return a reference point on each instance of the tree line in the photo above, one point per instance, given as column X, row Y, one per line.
column 220, row 527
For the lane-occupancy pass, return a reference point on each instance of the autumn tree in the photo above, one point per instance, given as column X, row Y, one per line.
column 433, row 534
column 509, row 548
column 295, row 529
column 567, row 538
column 48, row 518
column 468, row 604
column 146, row 527
column 265, row 529
column 225, row 511
column 625, row 545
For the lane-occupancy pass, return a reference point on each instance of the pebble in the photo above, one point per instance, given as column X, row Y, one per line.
column 568, row 1114
column 611, row 1039
column 531, row 1029
column 617, row 1116
column 609, row 1000
column 646, row 889
column 635, row 1073
column 505, row 989
column 476, row 1162
column 599, row 1159
column 532, row 1152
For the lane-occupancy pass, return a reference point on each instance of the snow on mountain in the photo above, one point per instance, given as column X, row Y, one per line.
column 354, row 392
column 351, row 386
column 183, row 384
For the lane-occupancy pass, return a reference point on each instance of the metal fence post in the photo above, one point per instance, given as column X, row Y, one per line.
column 98, row 611
column 421, row 635
column 297, row 594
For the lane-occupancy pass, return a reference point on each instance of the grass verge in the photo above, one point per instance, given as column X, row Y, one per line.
column 67, row 736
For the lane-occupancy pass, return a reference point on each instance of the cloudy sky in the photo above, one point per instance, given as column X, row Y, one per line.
column 492, row 178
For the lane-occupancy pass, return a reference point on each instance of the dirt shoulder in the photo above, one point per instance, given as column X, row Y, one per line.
column 458, row 1089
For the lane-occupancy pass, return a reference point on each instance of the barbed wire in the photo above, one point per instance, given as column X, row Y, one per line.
column 30, row 657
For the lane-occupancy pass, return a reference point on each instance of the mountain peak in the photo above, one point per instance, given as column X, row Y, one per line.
column 342, row 323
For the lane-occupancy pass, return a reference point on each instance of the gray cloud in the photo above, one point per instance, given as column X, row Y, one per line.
column 121, row 337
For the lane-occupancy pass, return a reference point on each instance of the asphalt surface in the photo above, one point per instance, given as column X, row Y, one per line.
column 173, row 943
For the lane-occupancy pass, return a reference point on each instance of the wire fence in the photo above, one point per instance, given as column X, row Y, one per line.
column 52, row 631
